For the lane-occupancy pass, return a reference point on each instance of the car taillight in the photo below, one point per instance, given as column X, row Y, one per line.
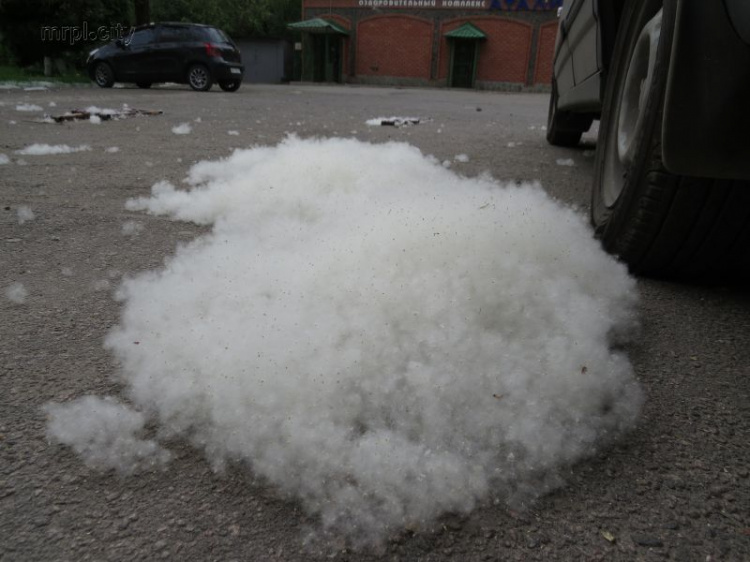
column 212, row 50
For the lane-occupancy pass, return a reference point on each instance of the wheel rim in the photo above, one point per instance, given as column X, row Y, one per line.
column 198, row 77
column 622, row 141
column 101, row 75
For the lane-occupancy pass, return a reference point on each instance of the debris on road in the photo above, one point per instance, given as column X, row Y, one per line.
column 45, row 149
column 394, row 121
column 92, row 114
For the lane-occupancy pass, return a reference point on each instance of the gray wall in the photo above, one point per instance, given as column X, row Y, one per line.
column 267, row 61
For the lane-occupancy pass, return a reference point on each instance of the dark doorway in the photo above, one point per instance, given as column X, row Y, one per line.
column 326, row 57
column 464, row 56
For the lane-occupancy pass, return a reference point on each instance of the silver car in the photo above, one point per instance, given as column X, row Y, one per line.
column 669, row 81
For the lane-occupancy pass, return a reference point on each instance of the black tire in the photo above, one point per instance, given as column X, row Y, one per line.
column 104, row 76
column 230, row 85
column 563, row 127
column 143, row 85
column 658, row 223
column 199, row 77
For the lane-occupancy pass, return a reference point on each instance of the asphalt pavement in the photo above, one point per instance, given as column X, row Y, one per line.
column 677, row 487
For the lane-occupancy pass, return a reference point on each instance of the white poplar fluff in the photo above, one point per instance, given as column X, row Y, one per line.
column 376, row 335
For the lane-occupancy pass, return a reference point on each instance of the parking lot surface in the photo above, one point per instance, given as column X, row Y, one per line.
column 677, row 487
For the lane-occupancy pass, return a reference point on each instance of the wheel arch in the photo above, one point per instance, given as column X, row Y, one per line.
column 708, row 143
column 109, row 63
column 610, row 14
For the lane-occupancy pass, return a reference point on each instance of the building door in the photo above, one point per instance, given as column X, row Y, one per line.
column 464, row 63
column 333, row 62
column 319, row 57
column 326, row 57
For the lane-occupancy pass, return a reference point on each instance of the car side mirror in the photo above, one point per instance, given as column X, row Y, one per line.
column 120, row 43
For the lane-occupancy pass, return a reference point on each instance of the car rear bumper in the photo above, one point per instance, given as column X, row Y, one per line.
column 228, row 71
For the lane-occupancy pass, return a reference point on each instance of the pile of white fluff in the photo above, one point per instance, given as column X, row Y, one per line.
column 377, row 336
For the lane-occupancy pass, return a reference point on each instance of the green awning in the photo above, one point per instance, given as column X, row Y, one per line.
column 318, row 25
column 466, row 31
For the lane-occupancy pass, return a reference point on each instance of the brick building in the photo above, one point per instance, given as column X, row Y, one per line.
column 486, row 44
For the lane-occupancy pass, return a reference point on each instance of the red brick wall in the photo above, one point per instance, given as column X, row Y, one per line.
column 545, row 53
column 394, row 45
column 503, row 56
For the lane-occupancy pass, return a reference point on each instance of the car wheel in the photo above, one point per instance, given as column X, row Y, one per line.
column 230, row 85
column 199, row 78
column 143, row 85
column 103, row 75
column 658, row 223
column 564, row 128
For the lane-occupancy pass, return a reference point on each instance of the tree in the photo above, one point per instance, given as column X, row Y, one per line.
column 142, row 11
column 239, row 18
column 49, row 28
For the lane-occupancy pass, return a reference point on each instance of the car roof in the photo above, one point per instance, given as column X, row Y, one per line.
column 172, row 23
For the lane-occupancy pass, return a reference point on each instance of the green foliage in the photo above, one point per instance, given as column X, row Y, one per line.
column 239, row 18
column 22, row 24
column 15, row 74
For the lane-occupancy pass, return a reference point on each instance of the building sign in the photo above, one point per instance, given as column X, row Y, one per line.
column 488, row 5
column 476, row 4
column 506, row 5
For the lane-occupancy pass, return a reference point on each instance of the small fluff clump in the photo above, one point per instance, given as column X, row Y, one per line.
column 104, row 432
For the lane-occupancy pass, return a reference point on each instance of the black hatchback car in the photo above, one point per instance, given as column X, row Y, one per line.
column 193, row 54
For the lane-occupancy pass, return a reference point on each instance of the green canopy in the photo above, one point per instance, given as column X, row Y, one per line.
column 466, row 31
column 318, row 25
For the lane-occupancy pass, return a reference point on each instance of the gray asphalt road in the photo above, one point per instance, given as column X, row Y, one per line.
column 678, row 487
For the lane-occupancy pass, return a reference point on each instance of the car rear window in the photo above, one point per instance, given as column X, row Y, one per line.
column 216, row 35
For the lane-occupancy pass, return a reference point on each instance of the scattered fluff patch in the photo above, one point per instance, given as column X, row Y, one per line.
column 24, row 214
column 4, row 159
column 16, row 293
column 112, row 149
column 565, row 162
column 28, row 107
column 109, row 438
column 182, row 129
column 132, row 228
column 102, row 111
column 95, row 119
column 377, row 336
column 461, row 157
column 44, row 149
